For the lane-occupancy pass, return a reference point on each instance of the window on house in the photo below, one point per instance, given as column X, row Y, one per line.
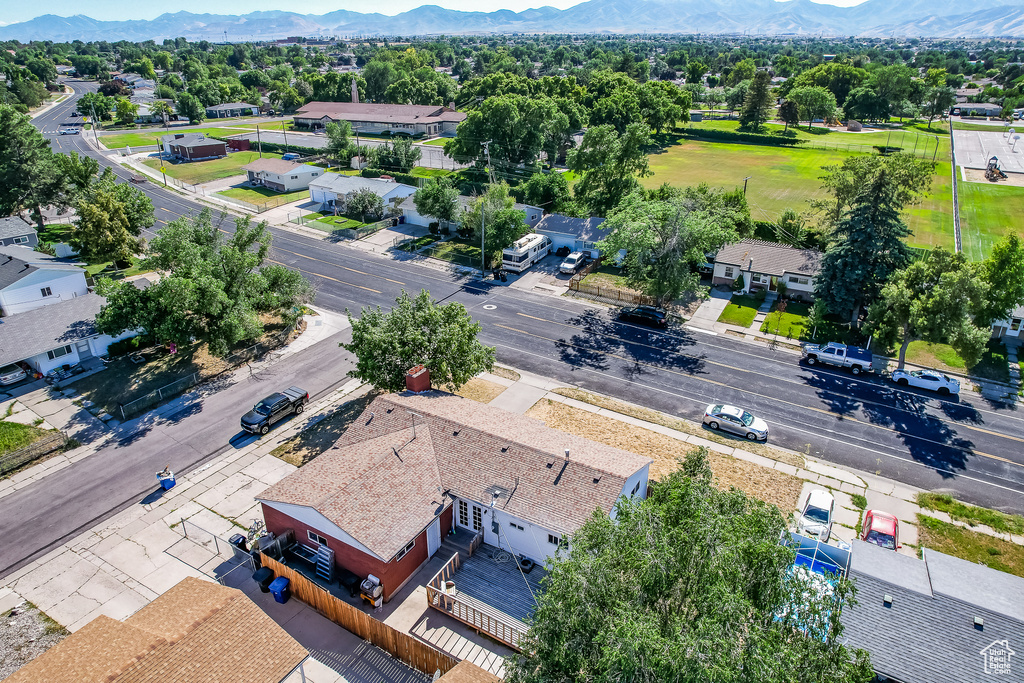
column 21, row 240
column 798, row 280
column 1015, row 324
column 57, row 353
column 45, row 291
column 404, row 551
column 295, row 177
column 315, row 537
column 635, row 489
column 478, row 518
column 729, row 271
column 516, row 526
column 554, row 540
column 463, row 513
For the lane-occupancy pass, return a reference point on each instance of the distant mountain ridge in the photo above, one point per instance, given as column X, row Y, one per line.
column 928, row 18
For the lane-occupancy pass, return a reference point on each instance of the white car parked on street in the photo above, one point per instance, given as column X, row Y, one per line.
column 927, row 379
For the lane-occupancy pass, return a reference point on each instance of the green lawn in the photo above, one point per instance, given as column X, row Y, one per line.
column 456, row 250
column 107, row 269
column 331, row 223
column 740, row 311
column 970, row 545
column 993, row 364
column 14, row 436
column 791, row 323
column 957, row 125
column 987, row 213
column 607, row 276
column 152, row 137
column 261, row 195
column 1000, row 521
column 272, row 126
column 419, row 243
column 437, row 142
column 424, row 172
column 931, row 219
column 199, row 172
column 909, row 140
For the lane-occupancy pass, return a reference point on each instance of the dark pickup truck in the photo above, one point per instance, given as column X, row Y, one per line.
column 274, row 408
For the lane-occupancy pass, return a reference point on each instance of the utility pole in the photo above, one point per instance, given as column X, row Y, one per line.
column 745, row 184
column 259, row 144
column 285, row 137
column 483, row 216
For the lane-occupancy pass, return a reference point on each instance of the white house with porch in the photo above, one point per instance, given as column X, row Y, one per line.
column 332, row 190
column 30, row 280
column 763, row 265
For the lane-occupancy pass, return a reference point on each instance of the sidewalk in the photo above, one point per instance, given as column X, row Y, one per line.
column 62, row 410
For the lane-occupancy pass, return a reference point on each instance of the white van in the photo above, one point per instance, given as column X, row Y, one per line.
column 524, row 252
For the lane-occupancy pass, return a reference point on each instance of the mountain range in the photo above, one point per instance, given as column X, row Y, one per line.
column 878, row 18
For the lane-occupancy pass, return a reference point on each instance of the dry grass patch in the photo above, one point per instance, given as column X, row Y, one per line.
column 505, row 373
column 679, row 424
column 765, row 484
column 321, row 435
column 480, row 390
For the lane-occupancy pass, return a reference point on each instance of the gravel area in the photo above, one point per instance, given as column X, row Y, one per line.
column 26, row 633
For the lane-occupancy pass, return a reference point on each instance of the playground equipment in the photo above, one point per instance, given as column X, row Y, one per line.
column 993, row 172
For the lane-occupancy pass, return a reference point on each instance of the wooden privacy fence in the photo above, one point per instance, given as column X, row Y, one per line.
column 402, row 646
column 611, row 294
column 46, row 445
column 483, row 618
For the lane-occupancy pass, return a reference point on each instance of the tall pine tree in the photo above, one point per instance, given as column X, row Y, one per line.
column 758, row 104
column 867, row 248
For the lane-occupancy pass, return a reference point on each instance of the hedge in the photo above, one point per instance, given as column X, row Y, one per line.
column 736, row 136
column 406, row 178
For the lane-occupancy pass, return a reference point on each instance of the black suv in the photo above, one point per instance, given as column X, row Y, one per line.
column 274, row 408
column 644, row 315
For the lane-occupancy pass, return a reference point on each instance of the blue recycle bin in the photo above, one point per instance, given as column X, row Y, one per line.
column 165, row 479
column 279, row 589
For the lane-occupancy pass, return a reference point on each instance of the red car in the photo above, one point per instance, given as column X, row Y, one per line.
column 882, row 529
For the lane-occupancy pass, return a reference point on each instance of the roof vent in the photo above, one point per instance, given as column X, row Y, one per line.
column 887, row 600
column 567, row 455
column 455, row 433
column 597, row 480
column 979, row 623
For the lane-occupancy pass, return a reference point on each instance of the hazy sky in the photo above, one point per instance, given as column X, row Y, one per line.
column 12, row 11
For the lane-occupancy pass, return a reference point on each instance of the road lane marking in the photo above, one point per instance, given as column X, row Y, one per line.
column 328, row 277
column 821, row 411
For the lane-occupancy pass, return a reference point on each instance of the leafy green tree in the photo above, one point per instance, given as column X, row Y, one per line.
column 189, row 106
column 161, row 109
column 839, row 78
column 789, row 112
column 126, row 111
column 743, row 71
column 815, row 102
column 892, row 82
column 365, row 202
column 417, row 331
column 495, row 214
column 29, row 175
column 95, row 104
column 549, row 191
column 757, row 105
column 339, row 144
column 867, row 247
column 933, row 299
column 665, row 239
column 938, row 100
column 80, row 171
column 864, row 104
column 909, row 179
column 399, row 154
column 689, row 584
column 609, row 165
column 695, row 71
column 214, row 287
column 110, row 219
column 1003, row 272
column 663, row 105
column 438, row 199
column 736, row 95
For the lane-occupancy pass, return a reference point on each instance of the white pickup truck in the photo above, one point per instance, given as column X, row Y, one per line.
column 833, row 353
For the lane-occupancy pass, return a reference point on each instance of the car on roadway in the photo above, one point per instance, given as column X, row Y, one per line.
column 274, row 408
column 736, row 420
column 75, row 114
column 816, row 517
column 69, row 131
column 573, row 262
column 927, row 379
column 644, row 315
column 881, row 529
column 9, row 374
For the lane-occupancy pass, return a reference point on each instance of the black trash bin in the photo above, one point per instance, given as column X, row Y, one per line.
column 264, row 576
column 238, row 545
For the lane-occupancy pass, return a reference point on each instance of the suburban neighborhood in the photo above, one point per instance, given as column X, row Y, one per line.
column 512, row 345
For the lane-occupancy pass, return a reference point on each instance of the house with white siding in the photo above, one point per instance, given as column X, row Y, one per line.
column 30, row 280
column 332, row 190
column 280, row 175
column 763, row 265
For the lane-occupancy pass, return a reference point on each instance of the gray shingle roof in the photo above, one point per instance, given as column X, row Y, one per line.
column 343, row 184
column 24, row 335
column 583, row 228
column 232, row 105
column 17, row 262
column 383, row 498
column 770, row 258
column 928, row 634
column 15, row 226
column 190, row 140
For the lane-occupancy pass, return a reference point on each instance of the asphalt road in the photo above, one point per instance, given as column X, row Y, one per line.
column 968, row 446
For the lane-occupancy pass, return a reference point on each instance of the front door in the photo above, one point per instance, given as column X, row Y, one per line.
column 434, row 537
column 84, row 352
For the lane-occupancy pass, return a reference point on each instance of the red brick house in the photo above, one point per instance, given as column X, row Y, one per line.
column 193, row 146
column 412, row 466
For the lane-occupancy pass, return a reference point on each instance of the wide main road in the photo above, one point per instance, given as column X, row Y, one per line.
column 968, row 446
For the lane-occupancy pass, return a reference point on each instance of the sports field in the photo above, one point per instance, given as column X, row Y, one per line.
column 987, row 213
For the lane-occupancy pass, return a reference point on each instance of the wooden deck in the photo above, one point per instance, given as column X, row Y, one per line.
column 489, row 594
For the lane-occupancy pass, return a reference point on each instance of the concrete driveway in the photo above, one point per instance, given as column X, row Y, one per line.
column 706, row 316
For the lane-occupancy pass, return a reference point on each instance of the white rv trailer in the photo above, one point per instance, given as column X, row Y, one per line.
column 524, row 252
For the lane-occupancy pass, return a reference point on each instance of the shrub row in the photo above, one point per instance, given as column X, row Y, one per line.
column 405, row 178
column 736, row 136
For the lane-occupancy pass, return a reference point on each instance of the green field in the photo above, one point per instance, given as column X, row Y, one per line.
column 261, row 195
column 931, row 219
column 424, row 172
column 987, row 213
column 916, row 140
column 122, row 140
column 199, row 172
column 437, row 142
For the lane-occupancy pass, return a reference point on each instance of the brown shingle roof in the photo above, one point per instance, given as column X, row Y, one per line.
column 380, row 113
column 383, row 500
column 270, row 165
column 197, row 632
column 770, row 258
column 468, row 672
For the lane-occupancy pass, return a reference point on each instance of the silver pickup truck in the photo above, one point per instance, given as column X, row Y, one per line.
column 833, row 353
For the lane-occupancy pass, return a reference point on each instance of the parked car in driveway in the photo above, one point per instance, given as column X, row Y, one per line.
column 573, row 262
column 815, row 519
column 9, row 374
column 644, row 315
column 274, row 408
column 927, row 379
column 882, row 529
column 737, row 421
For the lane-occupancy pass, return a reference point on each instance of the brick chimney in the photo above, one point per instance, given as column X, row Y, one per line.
column 417, row 379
